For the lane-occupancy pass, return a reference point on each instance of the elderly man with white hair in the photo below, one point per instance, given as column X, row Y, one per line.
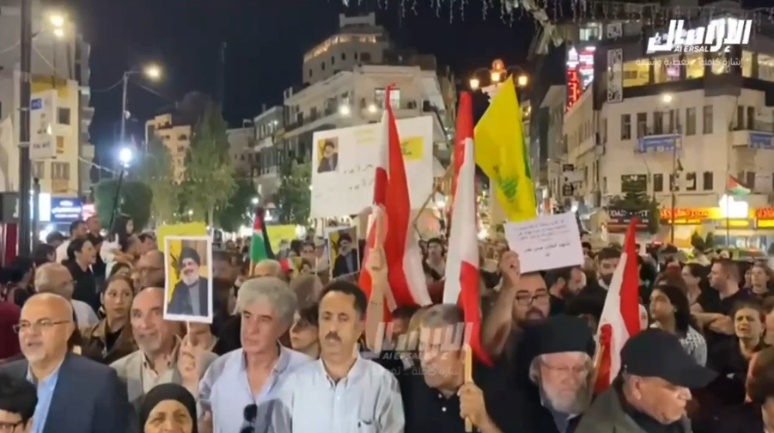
column 562, row 371
column 239, row 386
column 55, row 278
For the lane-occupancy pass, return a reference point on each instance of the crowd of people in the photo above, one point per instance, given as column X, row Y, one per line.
column 85, row 347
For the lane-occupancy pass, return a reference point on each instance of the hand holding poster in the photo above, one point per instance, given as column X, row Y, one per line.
column 546, row 242
column 188, row 283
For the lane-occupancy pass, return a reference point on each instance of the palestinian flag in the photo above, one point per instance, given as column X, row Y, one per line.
column 260, row 248
column 736, row 188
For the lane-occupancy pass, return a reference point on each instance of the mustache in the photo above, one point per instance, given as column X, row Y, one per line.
column 535, row 313
column 333, row 336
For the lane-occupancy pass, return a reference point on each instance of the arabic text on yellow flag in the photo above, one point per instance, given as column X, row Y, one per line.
column 503, row 155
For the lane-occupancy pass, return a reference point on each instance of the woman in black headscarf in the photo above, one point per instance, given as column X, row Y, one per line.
column 168, row 408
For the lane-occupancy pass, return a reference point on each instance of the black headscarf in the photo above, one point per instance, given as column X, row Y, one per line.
column 168, row 391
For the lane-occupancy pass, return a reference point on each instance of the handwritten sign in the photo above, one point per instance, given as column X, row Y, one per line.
column 343, row 179
column 547, row 242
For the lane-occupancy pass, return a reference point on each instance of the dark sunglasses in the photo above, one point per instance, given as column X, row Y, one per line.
column 250, row 413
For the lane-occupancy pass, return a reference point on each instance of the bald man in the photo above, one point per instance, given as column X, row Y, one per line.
column 268, row 268
column 150, row 270
column 55, row 278
column 101, row 407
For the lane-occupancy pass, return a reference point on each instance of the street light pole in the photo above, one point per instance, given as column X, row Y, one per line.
column 25, row 165
column 125, row 85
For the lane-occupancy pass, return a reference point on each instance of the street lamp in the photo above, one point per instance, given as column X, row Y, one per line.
column 125, row 156
column 151, row 71
column 344, row 110
column 56, row 19
column 497, row 74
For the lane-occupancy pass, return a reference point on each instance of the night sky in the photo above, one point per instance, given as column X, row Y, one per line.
column 266, row 40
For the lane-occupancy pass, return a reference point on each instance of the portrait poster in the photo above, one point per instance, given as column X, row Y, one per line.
column 182, row 229
column 343, row 252
column 345, row 159
column 188, row 278
column 301, row 266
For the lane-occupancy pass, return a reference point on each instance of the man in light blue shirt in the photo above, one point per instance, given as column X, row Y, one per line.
column 238, row 388
column 341, row 392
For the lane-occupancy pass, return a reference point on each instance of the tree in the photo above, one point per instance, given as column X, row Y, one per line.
column 134, row 200
column 238, row 211
column 209, row 175
column 636, row 201
column 157, row 171
column 293, row 196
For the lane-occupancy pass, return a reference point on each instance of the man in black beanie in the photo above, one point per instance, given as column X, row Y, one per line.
column 191, row 296
column 560, row 370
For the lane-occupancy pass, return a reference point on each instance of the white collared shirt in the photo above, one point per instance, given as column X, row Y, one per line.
column 225, row 389
column 367, row 400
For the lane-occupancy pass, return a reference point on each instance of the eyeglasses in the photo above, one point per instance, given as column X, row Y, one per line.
column 8, row 427
column 525, row 299
column 250, row 414
column 40, row 325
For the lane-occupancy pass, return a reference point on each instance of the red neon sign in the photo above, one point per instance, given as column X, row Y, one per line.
column 573, row 87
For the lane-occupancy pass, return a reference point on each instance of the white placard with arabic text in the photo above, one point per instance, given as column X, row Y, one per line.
column 344, row 160
column 547, row 242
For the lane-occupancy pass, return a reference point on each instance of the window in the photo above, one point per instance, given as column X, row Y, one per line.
column 765, row 67
column 674, row 182
column 674, row 122
column 658, row 182
column 636, row 74
column 747, row 64
column 690, row 181
column 63, row 116
column 182, row 137
column 333, row 60
column 394, row 98
column 322, row 66
column 366, row 57
column 690, row 121
column 626, row 127
column 739, row 119
column 642, row 124
column 750, row 180
column 707, row 181
column 60, row 171
column 719, row 64
column 751, row 118
column 707, row 119
column 694, row 65
column 38, row 169
column 666, row 69
column 343, row 56
column 310, row 73
column 658, row 122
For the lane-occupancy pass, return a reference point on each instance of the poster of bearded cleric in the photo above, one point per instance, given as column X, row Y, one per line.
column 188, row 287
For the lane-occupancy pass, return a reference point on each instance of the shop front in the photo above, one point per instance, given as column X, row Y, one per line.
column 733, row 223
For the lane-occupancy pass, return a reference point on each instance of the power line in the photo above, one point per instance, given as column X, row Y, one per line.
column 107, row 89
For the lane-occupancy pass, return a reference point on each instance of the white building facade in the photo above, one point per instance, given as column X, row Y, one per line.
column 60, row 67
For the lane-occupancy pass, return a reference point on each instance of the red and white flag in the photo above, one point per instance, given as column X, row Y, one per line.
column 462, row 273
column 620, row 318
column 401, row 246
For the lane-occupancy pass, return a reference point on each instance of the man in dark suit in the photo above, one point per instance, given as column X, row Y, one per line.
column 75, row 394
column 330, row 158
column 191, row 294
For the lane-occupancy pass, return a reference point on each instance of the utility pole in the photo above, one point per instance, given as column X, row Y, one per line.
column 25, row 165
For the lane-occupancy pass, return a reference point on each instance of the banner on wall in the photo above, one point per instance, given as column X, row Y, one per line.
column 615, row 75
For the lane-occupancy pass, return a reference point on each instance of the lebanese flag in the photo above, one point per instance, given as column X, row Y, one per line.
column 620, row 315
column 462, row 277
column 401, row 247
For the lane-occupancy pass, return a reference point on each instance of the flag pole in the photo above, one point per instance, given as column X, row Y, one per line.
column 449, row 171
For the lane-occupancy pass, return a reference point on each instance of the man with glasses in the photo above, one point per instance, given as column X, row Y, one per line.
column 149, row 271
column 55, row 278
column 18, row 399
column 44, row 329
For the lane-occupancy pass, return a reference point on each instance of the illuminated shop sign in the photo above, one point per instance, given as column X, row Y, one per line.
column 573, row 87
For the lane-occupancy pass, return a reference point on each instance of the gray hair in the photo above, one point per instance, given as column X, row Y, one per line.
column 441, row 315
column 271, row 290
column 43, row 276
column 534, row 367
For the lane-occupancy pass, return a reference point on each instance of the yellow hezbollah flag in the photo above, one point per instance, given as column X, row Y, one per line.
column 502, row 154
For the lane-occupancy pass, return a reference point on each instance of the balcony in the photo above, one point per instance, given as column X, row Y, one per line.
column 754, row 135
